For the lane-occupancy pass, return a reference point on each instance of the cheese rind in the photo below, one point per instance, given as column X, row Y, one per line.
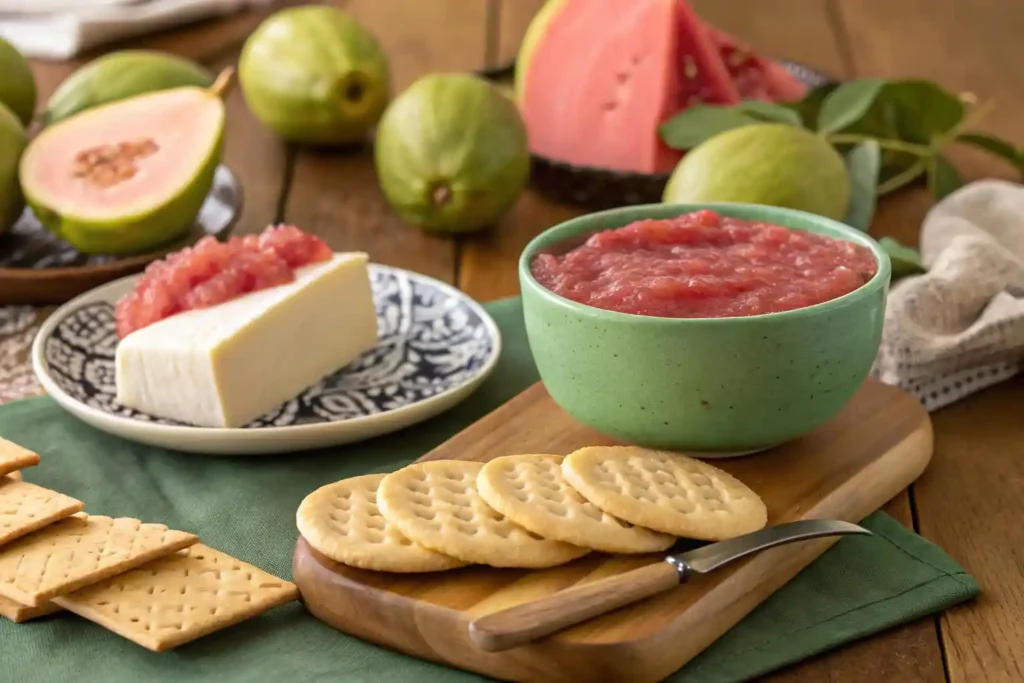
column 227, row 365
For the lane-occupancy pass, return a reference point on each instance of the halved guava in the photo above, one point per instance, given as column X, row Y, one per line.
column 126, row 177
column 596, row 79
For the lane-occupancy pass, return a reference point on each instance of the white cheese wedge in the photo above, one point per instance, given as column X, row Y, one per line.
column 227, row 365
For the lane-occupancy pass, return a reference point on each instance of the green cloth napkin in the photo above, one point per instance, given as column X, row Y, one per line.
column 246, row 507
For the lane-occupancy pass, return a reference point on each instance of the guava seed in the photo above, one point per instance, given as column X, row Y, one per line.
column 107, row 165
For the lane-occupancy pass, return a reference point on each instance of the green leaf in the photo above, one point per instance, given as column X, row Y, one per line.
column 905, row 260
column 923, row 109
column 943, row 178
column 848, row 103
column 863, row 163
column 998, row 146
column 911, row 110
column 693, row 126
column 769, row 111
column 809, row 107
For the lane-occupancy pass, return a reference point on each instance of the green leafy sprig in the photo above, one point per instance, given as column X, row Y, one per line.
column 913, row 122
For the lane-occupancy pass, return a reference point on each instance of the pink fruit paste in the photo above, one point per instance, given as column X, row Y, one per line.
column 704, row 265
column 213, row 272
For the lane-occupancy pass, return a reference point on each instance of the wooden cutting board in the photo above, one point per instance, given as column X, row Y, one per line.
column 880, row 443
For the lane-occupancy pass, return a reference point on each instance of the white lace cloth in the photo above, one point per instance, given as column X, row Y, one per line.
column 960, row 327
column 18, row 325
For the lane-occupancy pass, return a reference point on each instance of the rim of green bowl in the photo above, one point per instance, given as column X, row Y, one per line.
column 773, row 214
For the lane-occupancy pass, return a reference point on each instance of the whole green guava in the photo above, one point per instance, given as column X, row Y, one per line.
column 452, row 153
column 314, row 75
column 13, row 141
column 773, row 164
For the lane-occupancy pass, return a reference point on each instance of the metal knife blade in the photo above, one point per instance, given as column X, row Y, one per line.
column 712, row 556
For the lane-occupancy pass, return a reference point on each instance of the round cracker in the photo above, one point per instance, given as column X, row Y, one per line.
column 437, row 505
column 531, row 491
column 664, row 491
column 342, row 522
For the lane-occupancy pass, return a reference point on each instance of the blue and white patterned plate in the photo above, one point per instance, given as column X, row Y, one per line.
column 436, row 345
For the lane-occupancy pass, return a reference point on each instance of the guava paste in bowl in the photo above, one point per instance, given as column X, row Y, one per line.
column 704, row 265
column 643, row 322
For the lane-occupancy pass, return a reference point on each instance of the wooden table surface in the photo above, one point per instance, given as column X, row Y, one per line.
column 971, row 499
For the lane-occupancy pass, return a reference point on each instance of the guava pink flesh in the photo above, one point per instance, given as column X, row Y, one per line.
column 184, row 124
column 605, row 75
column 755, row 77
column 600, row 82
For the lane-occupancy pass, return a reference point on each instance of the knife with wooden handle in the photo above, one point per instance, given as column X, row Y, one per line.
column 533, row 620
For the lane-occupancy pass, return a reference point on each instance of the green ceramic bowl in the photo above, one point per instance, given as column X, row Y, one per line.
column 716, row 386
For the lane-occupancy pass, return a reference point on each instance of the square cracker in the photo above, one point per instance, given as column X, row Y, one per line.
column 180, row 598
column 25, row 508
column 13, row 457
column 79, row 551
column 18, row 613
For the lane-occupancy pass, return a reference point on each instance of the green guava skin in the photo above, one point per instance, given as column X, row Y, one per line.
column 773, row 164
column 315, row 76
column 13, row 141
column 118, row 76
column 534, row 33
column 17, row 85
column 135, row 234
column 452, row 154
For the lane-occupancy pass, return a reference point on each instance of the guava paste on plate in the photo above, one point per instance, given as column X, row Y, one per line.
column 213, row 272
column 704, row 265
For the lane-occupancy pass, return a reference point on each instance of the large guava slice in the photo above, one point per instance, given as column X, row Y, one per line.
column 119, row 75
column 451, row 153
column 17, row 85
column 129, row 176
column 756, row 77
column 771, row 163
column 12, row 143
column 595, row 80
column 314, row 75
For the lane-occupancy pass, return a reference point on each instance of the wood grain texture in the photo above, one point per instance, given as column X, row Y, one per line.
column 258, row 158
column 426, row 616
column 796, row 30
column 969, row 502
column 488, row 261
column 513, row 17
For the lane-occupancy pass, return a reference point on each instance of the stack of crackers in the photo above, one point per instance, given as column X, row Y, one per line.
column 152, row 585
column 529, row 511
